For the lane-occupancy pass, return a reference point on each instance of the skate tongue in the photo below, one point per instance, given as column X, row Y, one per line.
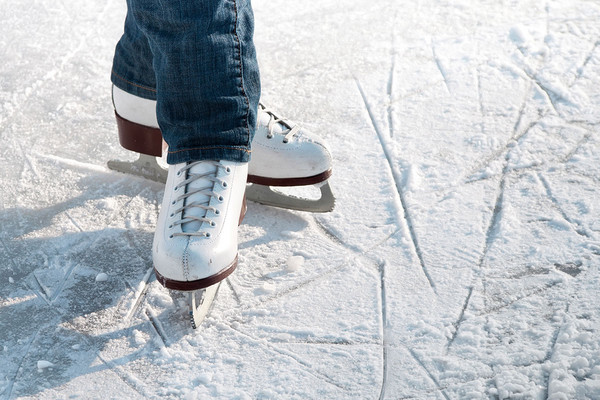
column 203, row 170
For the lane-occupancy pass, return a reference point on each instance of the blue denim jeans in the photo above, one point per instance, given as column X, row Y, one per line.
column 196, row 58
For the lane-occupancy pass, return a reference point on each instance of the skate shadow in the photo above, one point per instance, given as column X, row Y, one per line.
column 74, row 303
column 94, row 190
column 105, row 351
column 64, row 311
column 266, row 223
column 69, row 270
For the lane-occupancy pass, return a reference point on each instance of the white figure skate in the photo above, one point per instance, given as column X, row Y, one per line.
column 283, row 154
column 195, row 244
column 196, row 259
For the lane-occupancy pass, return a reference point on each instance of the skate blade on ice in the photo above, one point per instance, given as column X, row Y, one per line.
column 199, row 302
column 145, row 166
column 272, row 197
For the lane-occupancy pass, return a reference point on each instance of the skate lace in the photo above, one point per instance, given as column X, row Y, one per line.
column 186, row 218
column 274, row 119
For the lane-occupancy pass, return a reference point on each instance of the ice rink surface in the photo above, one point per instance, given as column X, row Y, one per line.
column 462, row 260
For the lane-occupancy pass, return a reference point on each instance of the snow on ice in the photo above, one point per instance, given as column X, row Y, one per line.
column 43, row 364
column 101, row 277
column 294, row 263
column 462, row 259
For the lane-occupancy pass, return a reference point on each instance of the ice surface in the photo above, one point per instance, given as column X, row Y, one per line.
column 462, row 260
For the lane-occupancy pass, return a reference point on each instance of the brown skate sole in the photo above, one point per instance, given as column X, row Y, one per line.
column 187, row 286
column 304, row 181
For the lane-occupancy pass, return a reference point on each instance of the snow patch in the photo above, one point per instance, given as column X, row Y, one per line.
column 412, row 179
column 525, row 41
column 204, row 377
column 108, row 204
column 294, row 263
column 559, row 224
column 101, row 277
column 519, row 35
column 140, row 338
column 266, row 288
column 291, row 234
column 43, row 364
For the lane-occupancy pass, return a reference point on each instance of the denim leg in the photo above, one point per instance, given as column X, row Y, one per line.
column 197, row 59
column 132, row 65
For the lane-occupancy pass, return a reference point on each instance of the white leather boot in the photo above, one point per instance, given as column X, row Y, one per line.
column 195, row 244
column 284, row 154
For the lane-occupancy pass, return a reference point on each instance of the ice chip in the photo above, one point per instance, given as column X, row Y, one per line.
column 43, row 364
column 294, row 263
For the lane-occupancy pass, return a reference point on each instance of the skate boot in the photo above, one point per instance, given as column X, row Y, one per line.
column 195, row 244
column 139, row 132
column 283, row 154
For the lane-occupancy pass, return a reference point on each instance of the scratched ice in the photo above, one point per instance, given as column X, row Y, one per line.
column 462, row 260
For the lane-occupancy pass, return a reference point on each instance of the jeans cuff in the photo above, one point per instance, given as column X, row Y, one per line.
column 235, row 154
column 132, row 87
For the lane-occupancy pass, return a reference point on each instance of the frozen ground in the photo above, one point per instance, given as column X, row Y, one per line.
column 462, row 260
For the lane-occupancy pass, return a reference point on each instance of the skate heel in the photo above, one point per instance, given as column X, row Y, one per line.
column 140, row 138
column 145, row 140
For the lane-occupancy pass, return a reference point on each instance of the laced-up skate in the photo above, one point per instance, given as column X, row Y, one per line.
column 195, row 244
column 188, row 253
column 283, row 154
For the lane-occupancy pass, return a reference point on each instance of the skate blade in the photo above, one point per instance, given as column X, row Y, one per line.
column 145, row 166
column 270, row 197
column 200, row 302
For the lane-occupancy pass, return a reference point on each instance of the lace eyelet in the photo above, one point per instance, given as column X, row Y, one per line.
column 269, row 136
column 213, row 223
column 224, row 184
column 221, row 198
column 170, row 236
column 170, row 226
column 217, row 212
column 285, row 141
column 207, row 234
column 228, row 169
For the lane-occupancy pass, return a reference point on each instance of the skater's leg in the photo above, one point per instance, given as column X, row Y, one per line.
column 206, row 87
column 206, row 74
column 132, row 63
column 282, row 153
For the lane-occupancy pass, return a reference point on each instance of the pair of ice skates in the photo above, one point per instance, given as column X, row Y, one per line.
column 195, row 244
